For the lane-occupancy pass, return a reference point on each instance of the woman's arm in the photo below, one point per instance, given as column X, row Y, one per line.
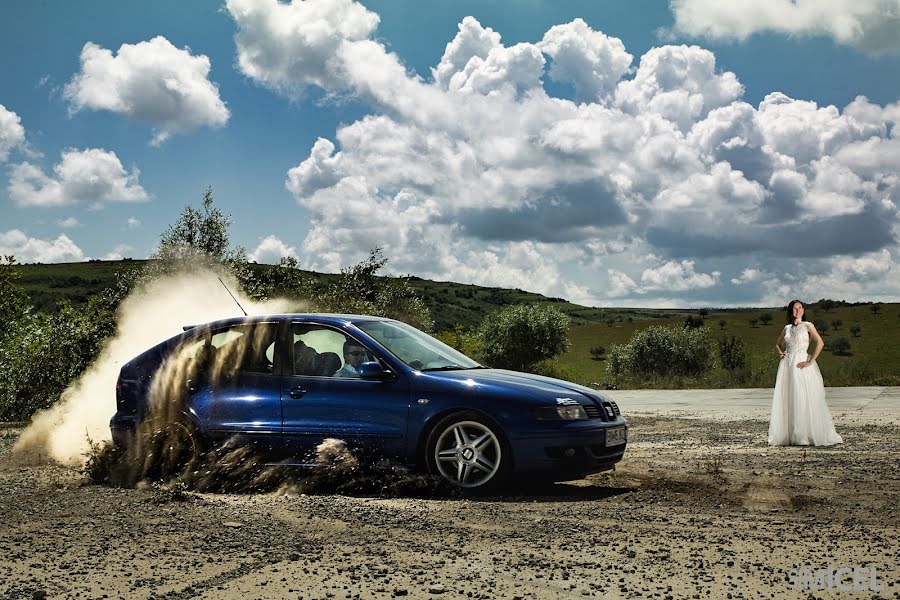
column 819, row 345
column 779, row 345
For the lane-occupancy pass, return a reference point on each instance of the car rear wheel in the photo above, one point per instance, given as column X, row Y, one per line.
column 181, row 445
column 469, row 452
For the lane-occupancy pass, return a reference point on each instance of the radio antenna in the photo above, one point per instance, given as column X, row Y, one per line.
column 232, row 296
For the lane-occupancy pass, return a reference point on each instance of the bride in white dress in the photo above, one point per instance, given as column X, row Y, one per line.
column 800, row 416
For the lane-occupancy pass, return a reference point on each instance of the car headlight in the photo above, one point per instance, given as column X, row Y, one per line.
column 563, row 413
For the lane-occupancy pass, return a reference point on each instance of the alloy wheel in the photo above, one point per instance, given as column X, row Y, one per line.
column 468, row 454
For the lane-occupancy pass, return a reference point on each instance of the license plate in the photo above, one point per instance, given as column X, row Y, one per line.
column 615, row 436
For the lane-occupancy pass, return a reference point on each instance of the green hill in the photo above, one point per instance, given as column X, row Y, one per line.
column 874, row 356
column 450, row 303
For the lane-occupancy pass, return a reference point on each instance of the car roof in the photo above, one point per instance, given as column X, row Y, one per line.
column 328, row 318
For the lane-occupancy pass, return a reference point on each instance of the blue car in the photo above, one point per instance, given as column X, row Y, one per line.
column 284, row 383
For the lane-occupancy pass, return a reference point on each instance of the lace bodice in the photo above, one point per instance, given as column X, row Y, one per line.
column 796, row 339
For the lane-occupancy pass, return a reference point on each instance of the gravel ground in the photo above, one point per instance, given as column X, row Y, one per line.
column 698, row 509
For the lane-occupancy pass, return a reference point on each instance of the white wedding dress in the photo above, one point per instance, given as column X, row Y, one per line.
column 800, row 416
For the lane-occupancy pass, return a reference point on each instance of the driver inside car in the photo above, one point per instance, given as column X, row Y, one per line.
column 354, row 355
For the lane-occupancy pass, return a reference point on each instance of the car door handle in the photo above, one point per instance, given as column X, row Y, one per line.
column 296, row 392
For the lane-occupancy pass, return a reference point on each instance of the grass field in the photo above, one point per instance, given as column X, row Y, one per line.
column 874, row 357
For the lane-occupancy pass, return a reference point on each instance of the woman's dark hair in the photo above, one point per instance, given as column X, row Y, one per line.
column 790, row 311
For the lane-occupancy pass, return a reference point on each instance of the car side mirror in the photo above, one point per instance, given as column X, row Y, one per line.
column 373, row 370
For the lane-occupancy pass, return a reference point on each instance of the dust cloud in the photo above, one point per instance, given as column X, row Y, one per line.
column 149, row 315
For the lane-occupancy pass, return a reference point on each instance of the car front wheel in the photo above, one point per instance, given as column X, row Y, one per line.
column 468, row 452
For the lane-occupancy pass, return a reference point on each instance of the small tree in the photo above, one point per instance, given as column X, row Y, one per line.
column 722, row 324
column 821, row 325
column 361, row 289
column 836, row 324
column 703, row 312
column 841, row 346
column 732, row 353
column 197, row 233
column 753, row 322
column 855, row 330
column 766, row 318
column 609, row 322
column 518, row 336
column 597, row 352
column 875, row 308
column 693, row 322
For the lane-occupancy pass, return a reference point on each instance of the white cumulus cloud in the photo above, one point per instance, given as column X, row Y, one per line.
column 12, row 134
column 590, row 60
column 271, row 250
column 674, row 276
column 748, row 276
column 94, row 176
column 151, row 81
column 479, row 174
column 28, row 249
column 289, row 46
column 69, row 222
column 868, row 25
column 119, row 252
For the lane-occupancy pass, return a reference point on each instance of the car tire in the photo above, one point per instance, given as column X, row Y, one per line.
column 182, row 445
column 469, row 451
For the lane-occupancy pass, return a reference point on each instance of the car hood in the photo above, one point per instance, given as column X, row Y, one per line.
column 542, row 388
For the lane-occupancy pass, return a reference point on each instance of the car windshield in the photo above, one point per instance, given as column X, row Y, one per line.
column 417, row 349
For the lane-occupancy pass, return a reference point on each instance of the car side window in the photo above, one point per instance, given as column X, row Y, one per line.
column 320, row 351
column 245, row 347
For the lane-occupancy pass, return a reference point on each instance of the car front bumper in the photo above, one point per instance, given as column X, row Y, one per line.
column 568, row 455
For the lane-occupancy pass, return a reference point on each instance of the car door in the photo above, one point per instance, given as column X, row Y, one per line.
column 318, row 404
column 236, row 392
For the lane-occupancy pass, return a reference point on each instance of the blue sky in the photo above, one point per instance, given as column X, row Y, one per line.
column 614, row 153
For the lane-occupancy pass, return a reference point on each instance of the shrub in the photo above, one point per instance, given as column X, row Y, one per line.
column 732, row 353
column 836, row 324
column 841, row 346
column 597, row 352
column 692, row 321
column 855, row 330
column 661, row 350
column 460, row 339
column 521, row 335
column 722, row 323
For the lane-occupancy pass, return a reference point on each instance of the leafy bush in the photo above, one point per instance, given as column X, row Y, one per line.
column 460, row 339
column 552, row 368
column 692, row 321
column 841, row 346
column 40, row 353
column 660, row 350
column 732, row 353
column 597, row 352
column 766, row 318
column 519, row 336
column 855, row 330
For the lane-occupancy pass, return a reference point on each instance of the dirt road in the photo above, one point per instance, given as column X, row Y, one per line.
column 700, row 508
